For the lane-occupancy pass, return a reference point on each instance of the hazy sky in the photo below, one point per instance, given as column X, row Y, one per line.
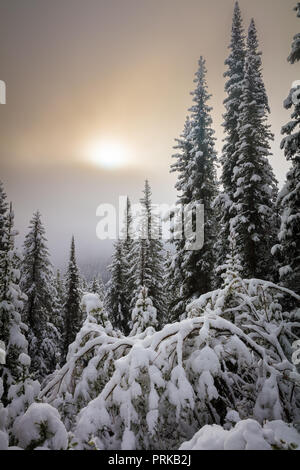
column 80, row 74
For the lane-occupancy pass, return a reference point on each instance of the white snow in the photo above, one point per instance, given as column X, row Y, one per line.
column 28, row 429
column 246, row 435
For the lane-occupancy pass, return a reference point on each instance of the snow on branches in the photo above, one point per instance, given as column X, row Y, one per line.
column 246, row 435
column 156, row 391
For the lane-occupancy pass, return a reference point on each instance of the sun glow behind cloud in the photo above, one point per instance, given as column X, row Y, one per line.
column 107, row 154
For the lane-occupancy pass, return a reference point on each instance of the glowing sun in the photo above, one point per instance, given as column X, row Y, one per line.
column 107, row 154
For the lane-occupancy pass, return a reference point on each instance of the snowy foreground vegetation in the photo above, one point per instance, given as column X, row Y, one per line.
column 182, row 349
column 226, row 362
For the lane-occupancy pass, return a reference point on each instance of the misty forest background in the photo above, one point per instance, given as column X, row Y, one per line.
column 177, row 340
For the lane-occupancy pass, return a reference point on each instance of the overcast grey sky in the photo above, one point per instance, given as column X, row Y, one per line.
column 120, row 72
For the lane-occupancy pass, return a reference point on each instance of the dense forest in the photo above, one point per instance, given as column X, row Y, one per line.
column 180, row 349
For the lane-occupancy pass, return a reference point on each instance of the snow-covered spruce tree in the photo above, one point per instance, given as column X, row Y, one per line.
column 58, row 316
column 148, row 255
column 128, row 250
column 116, row 297
column 97, row 287
column 12, row 330
column 287, row 251
column 233, row 88
column 197, row 185
column 232, row 267
column 143, row 318
column 59, row 284
column 183, row 147
column 170, row 285
column 37, row 284
column 3, row 213
column 18, row 390
column 175, row 274
column 121, row 287
column 72, row 310
column 84, row 287
column 60, row 287
column 295, row 52
column 255, row 222
column 157, row 391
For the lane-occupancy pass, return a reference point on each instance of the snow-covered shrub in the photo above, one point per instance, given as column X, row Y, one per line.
column 92, row 306
column 41, row 427
column 90, row 362
column 141, row 392
column 246, row 435
column 22, row 393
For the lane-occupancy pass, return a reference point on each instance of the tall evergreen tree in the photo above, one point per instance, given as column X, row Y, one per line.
column 116, row 296
column 148, row 249
column 72, row 311
column 169, row 286
column 121, row 287
column 288, row 249
column 60, row 288
column 295, row 52
column 97, row 287
column 254, row 224
column 143, row 315
column 84, row 287
column 129, row 260
column 58, row 317
column 12, row 330
column 193, row 270
column 176, row 303
column 3, row 214
column 233, row 88
column 37, row 284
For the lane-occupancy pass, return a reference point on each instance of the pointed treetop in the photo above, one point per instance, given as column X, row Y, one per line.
column 11, row 213
column 252, row 40
column 2, row 192
column 201, row 73
column 237, row 7
column 37, row 232
column 236, row 58
column 200, row 110
column 128, row 229
column 295, row 52
column 146, row 199
column 147, row 189
column 237, row 38
column 237, row 15
column 253, row 68
column 73, row 250
column 37, row 215
column 36, row 223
